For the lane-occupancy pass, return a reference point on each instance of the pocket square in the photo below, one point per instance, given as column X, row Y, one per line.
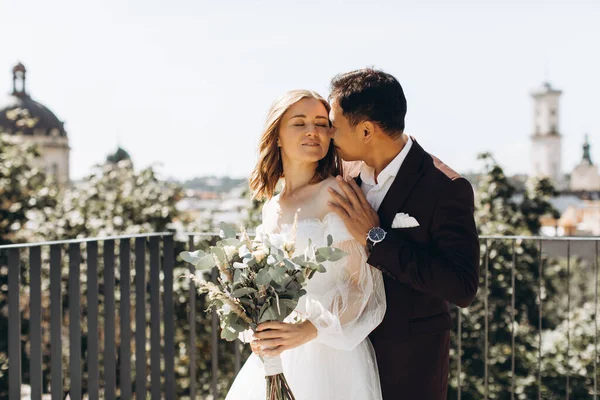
column 403, row 220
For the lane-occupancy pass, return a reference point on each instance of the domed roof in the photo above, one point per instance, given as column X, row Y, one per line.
column 119, row 155
column 18, row 106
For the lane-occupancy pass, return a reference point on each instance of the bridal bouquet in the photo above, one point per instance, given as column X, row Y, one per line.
column 260, row 280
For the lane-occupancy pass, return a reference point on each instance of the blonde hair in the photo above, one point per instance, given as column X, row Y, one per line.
column 269, row 168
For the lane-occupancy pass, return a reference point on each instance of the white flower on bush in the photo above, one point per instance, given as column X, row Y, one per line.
column 259, row 255
column 289, row 247
column 276, row 240
column 243, row 251
column 230, row 251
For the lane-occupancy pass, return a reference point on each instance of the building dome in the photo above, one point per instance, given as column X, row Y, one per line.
column 20, row 106
column 119, row 155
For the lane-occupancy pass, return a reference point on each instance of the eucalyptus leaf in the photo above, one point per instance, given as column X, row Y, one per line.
column 278, row 274
column 219, row 253
column 263, row 309
column 263, row 277
column 329, row 240
column 230, row 242
column 270, row 314
column 192, row 257
column 206, row 262
column 337, row 255
column 229, row 334
column 237, row 276
column 325, row 252
column 289, row 264
column 300, row 260
column 227, row 230
column 243, row 291
column 271, row 260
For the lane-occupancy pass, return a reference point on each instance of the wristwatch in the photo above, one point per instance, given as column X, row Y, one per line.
column 375, row 235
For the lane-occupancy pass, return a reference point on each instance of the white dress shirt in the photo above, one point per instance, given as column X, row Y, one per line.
column 375, row 192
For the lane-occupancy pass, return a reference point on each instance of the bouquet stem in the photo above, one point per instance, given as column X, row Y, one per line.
column 277, row 386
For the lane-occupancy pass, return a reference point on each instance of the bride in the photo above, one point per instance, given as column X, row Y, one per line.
column 327, row 355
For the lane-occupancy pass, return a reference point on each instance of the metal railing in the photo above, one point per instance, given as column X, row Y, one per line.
column 145, row 273
column 542, row 243
column 150, row 243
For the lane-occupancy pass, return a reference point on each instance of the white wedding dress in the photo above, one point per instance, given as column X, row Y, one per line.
column 345, row 304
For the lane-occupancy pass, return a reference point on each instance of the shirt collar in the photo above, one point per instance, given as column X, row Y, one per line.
column 367, row 174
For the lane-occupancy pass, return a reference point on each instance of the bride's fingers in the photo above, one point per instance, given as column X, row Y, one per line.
column 274, row 352
column 271, row 325
column 270, row 334
column 268, row 344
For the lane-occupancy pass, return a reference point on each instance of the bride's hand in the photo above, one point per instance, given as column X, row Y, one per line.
column 276, row 337
column 256, row 349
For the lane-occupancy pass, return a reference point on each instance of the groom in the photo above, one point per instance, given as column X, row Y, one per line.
column 415, row 217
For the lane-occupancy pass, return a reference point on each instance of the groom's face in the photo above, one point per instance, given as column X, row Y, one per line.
column 347, row 138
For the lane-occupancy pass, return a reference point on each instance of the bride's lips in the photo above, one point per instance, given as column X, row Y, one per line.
column 311, row 144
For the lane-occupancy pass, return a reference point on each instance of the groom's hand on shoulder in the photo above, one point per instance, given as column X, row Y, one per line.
column 354, row 209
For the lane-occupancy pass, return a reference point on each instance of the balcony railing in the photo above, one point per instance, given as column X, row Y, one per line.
column 101, row 361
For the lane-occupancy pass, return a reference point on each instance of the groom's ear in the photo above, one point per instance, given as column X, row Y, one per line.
column 368, row 129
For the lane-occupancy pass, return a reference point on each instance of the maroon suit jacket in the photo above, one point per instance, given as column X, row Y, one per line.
column 424, row 269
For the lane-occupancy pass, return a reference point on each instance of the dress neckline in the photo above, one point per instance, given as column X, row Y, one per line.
column 320, row 221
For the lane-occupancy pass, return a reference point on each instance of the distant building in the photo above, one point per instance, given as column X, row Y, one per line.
column 45, row 129
column 546, row 140
column 585, row 177
column 119, row 155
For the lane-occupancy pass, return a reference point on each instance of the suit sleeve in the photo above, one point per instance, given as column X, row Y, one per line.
column 449, row 268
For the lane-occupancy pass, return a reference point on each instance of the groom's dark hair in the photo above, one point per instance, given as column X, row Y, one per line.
column 369, row 94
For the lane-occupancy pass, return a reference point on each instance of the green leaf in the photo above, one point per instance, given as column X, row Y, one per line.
column 237, row 276
column 337, row 255
column 206, row 262
column 270, row 314
column 325, row 252
column 243, row 291
column 229, row 334
column 299, row 260
column 278, row 274
column 329, row 240
column 219, row 253
column 228, row 230
column 263, row 277
column 263, row 309
column 289, row 265
column 192, row 257
column 230, row 242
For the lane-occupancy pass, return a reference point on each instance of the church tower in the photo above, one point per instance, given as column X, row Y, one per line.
column 546, row 139
column 42, row 128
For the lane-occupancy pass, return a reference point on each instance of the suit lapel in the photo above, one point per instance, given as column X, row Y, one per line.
column 409, row 174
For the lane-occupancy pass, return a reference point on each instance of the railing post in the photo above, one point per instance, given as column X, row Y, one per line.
column 14, row 328
column 169, row 316
column 74, row 322
column 192, row 343
column 92, row 315
column 35, row 321
column 110, row 356
column 56, row 324
column 155, row 350
column 140, row 318
column 512, row 320
column 125, row 310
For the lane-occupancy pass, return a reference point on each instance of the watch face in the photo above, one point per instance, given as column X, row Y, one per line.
column 376, row 234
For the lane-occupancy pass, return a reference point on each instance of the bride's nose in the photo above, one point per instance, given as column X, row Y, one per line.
column 311, row 130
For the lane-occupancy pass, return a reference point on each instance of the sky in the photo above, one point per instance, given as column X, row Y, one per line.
column 187, row 84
